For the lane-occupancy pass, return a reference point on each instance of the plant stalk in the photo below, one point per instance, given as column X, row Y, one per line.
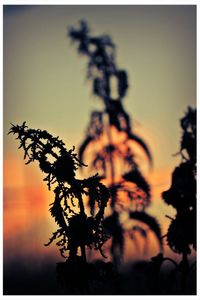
column 184, row 273
column 82, row 212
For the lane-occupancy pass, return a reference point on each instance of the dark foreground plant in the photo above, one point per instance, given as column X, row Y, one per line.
column 110, row 143
column 75, row 229
column 181, row 234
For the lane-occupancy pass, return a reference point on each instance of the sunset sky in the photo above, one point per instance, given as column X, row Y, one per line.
column 44, row 85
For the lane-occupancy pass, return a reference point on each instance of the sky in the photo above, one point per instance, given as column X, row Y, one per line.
column 44, row 84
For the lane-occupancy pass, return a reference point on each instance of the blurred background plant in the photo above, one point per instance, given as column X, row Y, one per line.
column 110, row 146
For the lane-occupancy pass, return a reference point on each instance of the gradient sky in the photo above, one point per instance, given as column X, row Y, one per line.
column 44, row 79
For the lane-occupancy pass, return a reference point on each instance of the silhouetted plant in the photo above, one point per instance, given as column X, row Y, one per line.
column 181, row 234
column 75, row 229
column 110, row 141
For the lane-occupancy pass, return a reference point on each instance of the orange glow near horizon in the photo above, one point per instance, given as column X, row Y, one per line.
column 26, row 210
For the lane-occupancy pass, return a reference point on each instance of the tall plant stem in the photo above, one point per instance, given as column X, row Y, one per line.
column 82, row 212
column 112, row 169
column 111, row 163
column 185, row 268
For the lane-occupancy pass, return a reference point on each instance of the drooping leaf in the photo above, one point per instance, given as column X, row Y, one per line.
column 84, row 146
column 140, row 142
column 99, row 163
column 150, row 221
column 94, row 130
column 136, row 177
column 141, row 230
